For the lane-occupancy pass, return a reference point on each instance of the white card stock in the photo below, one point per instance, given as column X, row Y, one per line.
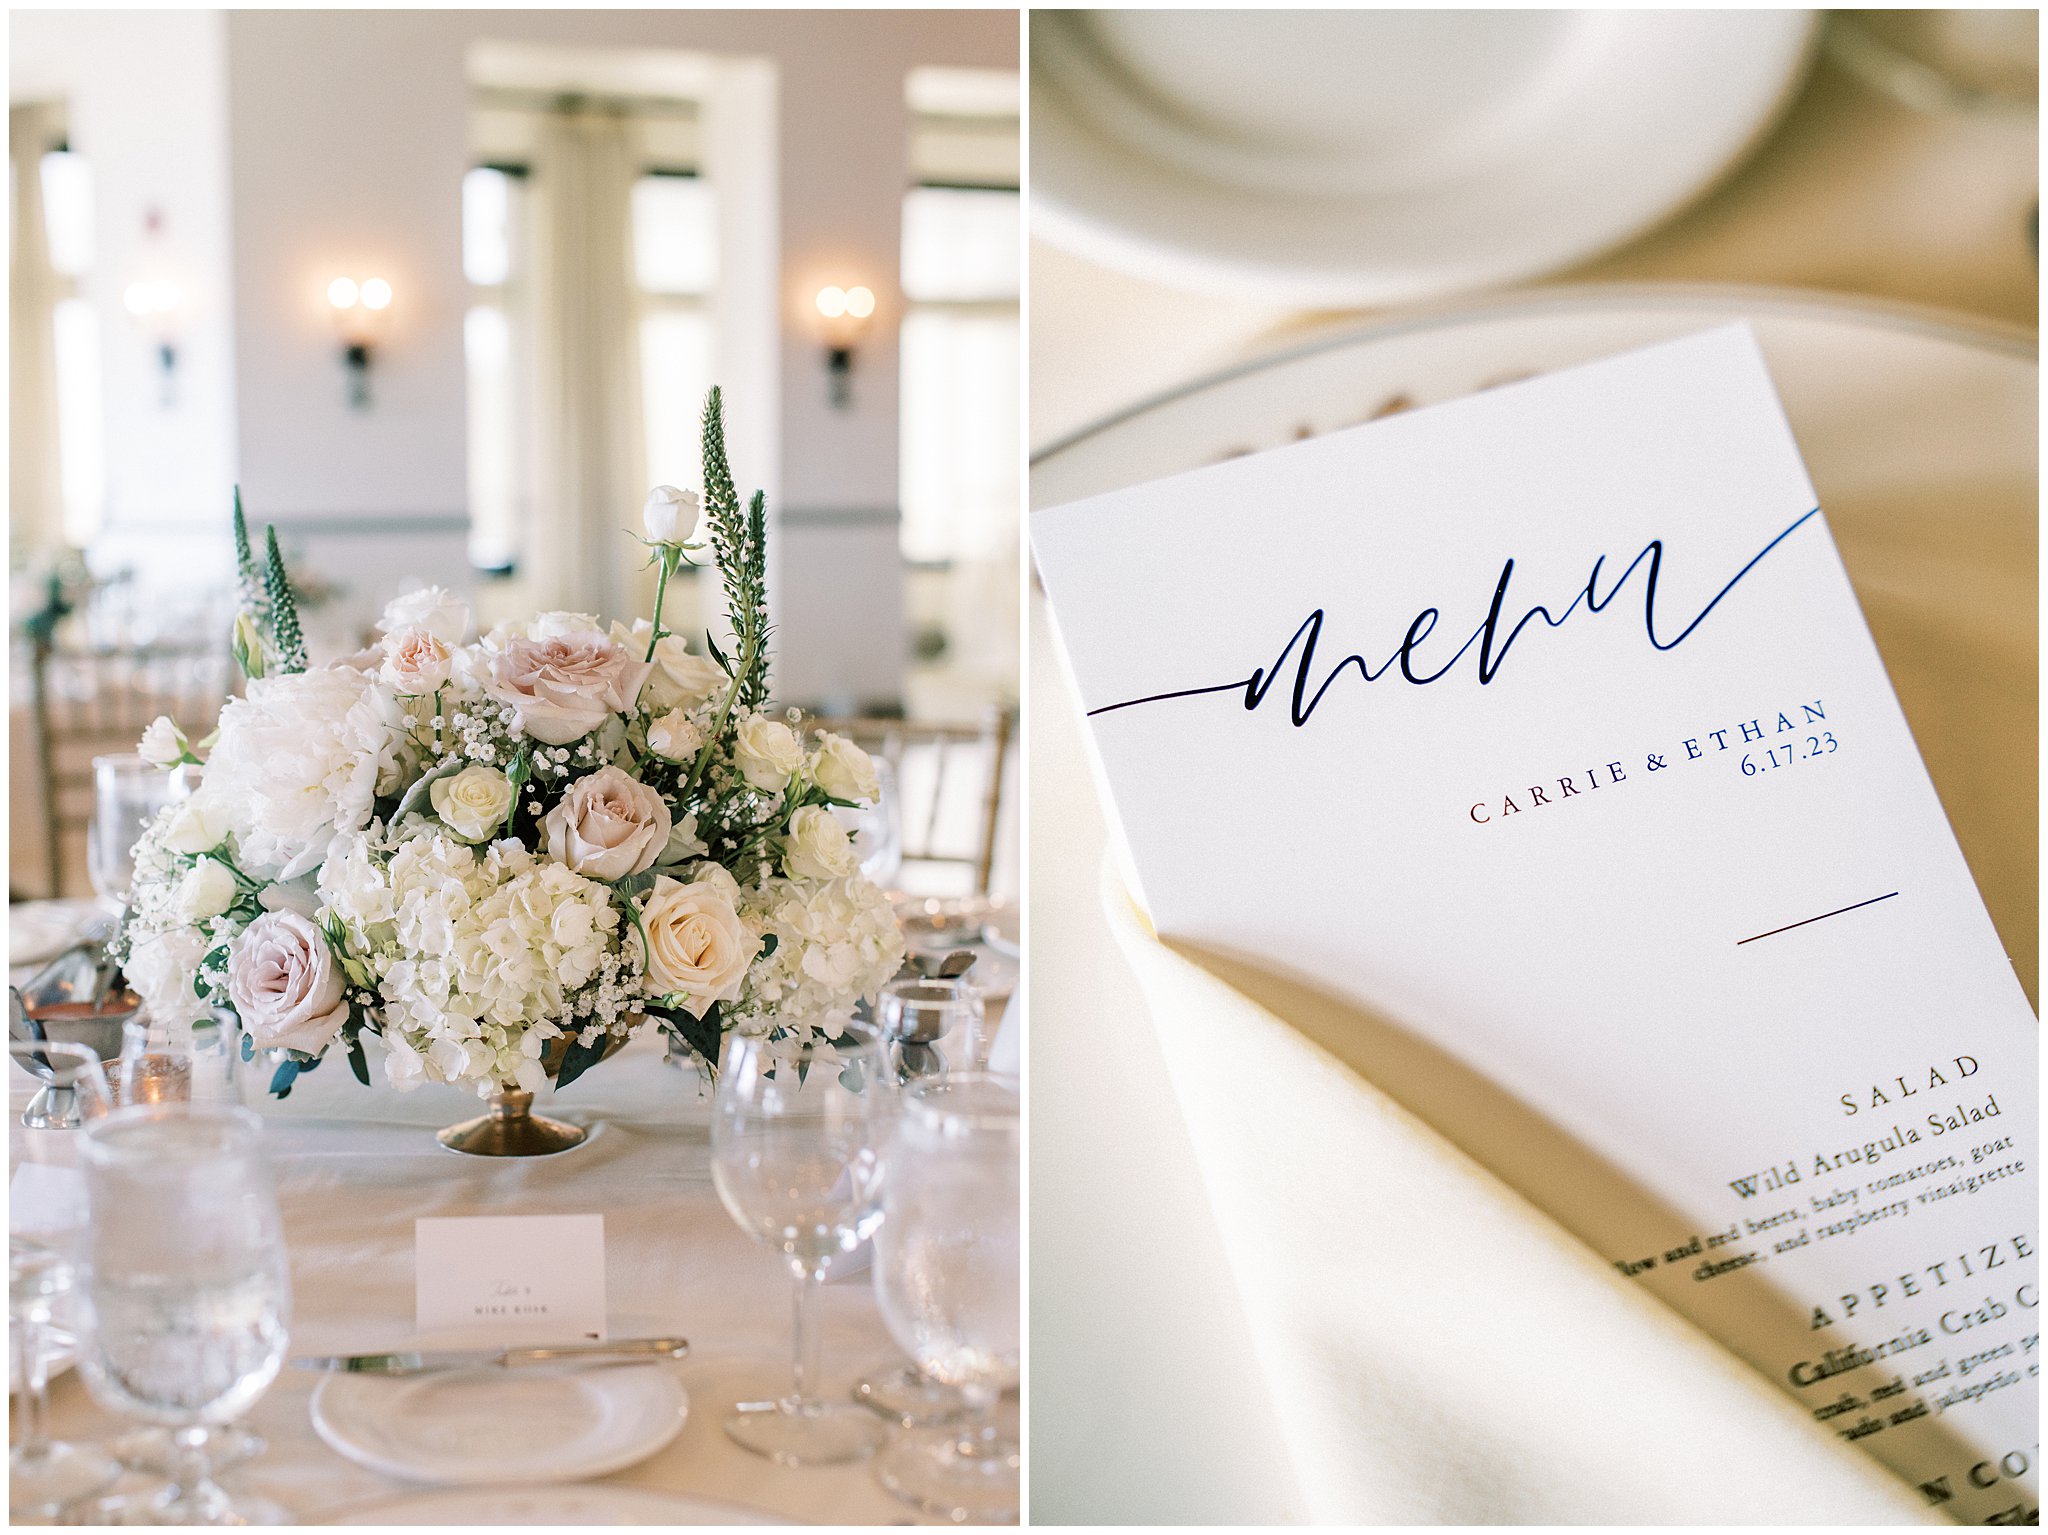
column 510, row 1278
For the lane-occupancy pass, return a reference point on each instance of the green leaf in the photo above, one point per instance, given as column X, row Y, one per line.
column 579, row 1059
column 248, row 1048
column 769, row 943
column 287, row 1073
column 357, row 1061
column 717, row 655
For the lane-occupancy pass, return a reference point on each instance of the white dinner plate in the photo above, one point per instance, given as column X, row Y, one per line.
column 584, row 1505
column 1354, row 157
column 473, row 1428
column 1919, row 429
column 41, row 930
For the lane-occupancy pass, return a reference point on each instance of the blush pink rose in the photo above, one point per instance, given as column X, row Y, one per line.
column 607, row 826
column 565, row 685
column 285, row 984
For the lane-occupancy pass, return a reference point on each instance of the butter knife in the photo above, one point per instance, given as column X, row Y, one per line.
column 420, row 1363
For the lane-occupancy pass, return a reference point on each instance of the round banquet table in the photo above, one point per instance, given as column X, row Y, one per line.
column 356, row 1165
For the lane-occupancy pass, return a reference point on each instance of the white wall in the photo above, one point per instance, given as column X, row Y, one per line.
column 348, row 139
column 147, row 98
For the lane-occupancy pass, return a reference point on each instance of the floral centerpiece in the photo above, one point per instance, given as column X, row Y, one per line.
column 505, row 853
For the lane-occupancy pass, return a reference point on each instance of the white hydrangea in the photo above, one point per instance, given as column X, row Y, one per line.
column 299, row 759
column 479, row 956
column 836, row 942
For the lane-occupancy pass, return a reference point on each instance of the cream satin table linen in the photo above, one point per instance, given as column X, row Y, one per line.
column 355, row 1166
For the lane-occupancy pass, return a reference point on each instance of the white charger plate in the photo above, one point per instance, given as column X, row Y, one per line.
column 472, row 1428
column 1920, row 430
column 584, row 1505
column 1331, row 158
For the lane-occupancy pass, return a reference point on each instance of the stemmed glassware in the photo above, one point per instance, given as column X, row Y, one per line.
column 188, row 1299
column 948, row 1279
column 128, row 791
column 796, row 1131
column 44, row 1232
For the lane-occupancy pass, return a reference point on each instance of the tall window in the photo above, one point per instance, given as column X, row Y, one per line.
column 675, row 272
column 961, row 352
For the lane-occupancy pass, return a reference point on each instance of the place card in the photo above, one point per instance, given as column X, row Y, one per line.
column 484, row 1279
column 1530, row 752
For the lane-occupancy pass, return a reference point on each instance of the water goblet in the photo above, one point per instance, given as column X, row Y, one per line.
column 796, row 1128
column 947, row 1278
column 917, row 1012
column 188, row 1297
column 164, row 1064
column 128, row 791
column 42, row 1270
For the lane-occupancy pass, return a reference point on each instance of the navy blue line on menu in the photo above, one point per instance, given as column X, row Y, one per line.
column 1493, row 649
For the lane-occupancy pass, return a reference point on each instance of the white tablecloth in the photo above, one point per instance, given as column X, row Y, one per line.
column 355, row 1166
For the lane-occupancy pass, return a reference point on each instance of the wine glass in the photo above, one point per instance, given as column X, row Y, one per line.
column 42, row 1270
column 188, row 1298
column 878, row 829
column 948, row 1280
column 128, row 791
column 918, row 1011
column 796, row 1130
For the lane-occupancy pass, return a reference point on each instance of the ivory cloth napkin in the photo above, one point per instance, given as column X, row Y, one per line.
column 1436, row 1349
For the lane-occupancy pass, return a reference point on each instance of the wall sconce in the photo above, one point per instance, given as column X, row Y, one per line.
column 359, row 310
column 843, row 315
column 154, row 306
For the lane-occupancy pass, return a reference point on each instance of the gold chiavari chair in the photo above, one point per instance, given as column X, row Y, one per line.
column 943, row 771
column 88, row 701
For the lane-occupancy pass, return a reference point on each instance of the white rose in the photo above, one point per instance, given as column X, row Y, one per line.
column 285, row 984
column 432, row 608
column 472, row 803
column 199, row 825
column 679, row 680
column 684, row 843
column 670, row 515
column 817, row 846
column 608, row 825
column 767, row 752
column 674, row 737
column 844, row 771
column 416, row 661
column 207, row 890
column 696, row 943
column 163, row 743
column 564, row 686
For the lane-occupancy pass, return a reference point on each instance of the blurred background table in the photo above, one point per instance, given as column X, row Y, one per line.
column 1147, row 1404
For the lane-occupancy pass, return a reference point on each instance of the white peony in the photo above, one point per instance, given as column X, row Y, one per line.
column 299, row 760
column 817, row 846
column 844, row 771
column 767, row 752
column 433, row 608
column 207, row 890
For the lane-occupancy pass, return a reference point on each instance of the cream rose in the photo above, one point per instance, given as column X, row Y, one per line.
column 674, row 737
column 416, row 661
column 767, row 752
column 163, row 743
column 669, row 515
column 207, row 890
column 472, row 803
column 285, row 984
column 199, row 825
column 607, row 826
column 817, row 846
column 565, row 685
column 680, row 679
column 696, row 944
column 844, row 771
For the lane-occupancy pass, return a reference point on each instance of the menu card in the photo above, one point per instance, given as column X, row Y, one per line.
column 1532, row 753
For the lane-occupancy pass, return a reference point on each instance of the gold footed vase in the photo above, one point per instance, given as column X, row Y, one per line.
column 510, row 1128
